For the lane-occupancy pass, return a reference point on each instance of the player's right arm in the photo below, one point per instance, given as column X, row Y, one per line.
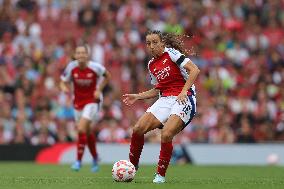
column 64, row 86
column 130, row 99
column 66, row 77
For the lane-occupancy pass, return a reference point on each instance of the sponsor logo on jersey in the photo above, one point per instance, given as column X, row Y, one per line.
column 84, row 82
column 76, row 75
column 163, row 73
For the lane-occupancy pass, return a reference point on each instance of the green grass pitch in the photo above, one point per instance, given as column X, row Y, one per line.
column 18, row 175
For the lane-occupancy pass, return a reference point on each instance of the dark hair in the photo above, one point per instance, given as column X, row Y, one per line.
column 84, row 46
column 173, row 40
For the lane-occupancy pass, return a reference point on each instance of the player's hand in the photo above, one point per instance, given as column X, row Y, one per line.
column 129, row 99
column 182, row 98
column 97, row 94
column 64, row 88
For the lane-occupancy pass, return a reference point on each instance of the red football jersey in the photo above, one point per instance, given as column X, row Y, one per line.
column 168, row 74
column 84, row 81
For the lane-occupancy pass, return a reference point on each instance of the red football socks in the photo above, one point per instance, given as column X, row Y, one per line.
column 92, row 145
column 82, row 139
column 136, row 146
column 165, row 157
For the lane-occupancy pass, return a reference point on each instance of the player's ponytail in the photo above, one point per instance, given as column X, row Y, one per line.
column 173, row 40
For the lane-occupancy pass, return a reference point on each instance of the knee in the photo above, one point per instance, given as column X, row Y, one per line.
column 139, row 129
column 82, row 130
column 82, row 127
column 166, row 136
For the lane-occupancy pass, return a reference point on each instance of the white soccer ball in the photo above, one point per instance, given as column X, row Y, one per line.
column 123, row 171
column 272, row 159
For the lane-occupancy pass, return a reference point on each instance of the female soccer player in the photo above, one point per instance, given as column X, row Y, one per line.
column 84, row 75
column 173, row 76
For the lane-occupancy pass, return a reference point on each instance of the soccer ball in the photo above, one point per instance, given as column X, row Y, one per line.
column 123, row 171
column 272, row 159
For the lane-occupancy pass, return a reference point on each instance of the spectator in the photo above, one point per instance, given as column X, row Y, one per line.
column 239, row 47
column 245, row 134
column 88, row 15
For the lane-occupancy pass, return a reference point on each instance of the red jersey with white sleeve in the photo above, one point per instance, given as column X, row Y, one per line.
column 84, row 81
column 168, row 74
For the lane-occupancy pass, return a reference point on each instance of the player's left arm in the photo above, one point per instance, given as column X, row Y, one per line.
column 106, row 78
column 193, row 71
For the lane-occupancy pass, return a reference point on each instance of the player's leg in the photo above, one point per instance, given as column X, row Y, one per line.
column 90, row 112
column 92, row 145
column 146, row 123
column 173, row 126
column 91, row 141
column 154, row 118
column 181, row 115
column 81, row 142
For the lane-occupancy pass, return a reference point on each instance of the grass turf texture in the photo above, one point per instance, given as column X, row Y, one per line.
column 18, row 175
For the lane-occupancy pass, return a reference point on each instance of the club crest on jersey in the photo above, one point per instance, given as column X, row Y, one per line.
column 164, row 61
column 90, row 75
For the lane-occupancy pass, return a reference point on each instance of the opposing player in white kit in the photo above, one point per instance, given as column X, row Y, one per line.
column 84, row 75
column 173, row 75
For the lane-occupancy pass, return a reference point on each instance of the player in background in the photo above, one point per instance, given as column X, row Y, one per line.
column 85, row 74
column 173, row 75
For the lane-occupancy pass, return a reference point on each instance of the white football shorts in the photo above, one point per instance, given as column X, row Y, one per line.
column 90, row 112
column 164, row 107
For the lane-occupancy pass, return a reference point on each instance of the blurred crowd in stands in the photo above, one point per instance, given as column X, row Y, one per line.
column 238, row 45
